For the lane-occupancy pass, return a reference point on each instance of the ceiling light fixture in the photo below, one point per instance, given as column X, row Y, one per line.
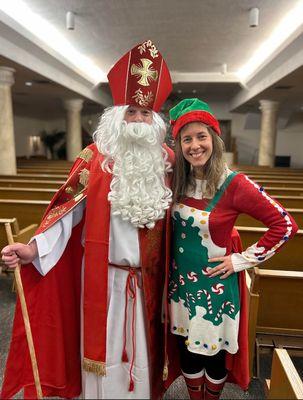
column 28, row 83
column 70, row 20
column 253, row 17
column 46, row 33
column 291, row 22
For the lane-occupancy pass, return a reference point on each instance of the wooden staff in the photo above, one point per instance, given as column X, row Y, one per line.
column 28, row 330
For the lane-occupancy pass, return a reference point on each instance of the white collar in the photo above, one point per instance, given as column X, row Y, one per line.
column 199, row 192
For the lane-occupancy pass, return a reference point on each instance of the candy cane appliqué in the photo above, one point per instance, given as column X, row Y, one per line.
column 208, row 298
column 224, row 305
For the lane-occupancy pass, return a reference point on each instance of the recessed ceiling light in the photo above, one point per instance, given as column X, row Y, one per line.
column 194, row 91
column 28, row 83
column 179, row 91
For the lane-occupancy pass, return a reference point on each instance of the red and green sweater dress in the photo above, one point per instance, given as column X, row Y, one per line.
column 205, row 310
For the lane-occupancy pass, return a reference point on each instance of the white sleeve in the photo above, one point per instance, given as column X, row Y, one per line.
column 51, row 243
column 244, row 260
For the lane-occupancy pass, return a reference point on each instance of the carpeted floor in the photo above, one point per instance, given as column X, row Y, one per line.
column 176, row 391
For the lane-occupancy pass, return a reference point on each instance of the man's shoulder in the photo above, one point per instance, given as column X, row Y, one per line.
column 88, row 152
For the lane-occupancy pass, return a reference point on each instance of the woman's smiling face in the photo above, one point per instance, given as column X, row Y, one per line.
column 196, row 144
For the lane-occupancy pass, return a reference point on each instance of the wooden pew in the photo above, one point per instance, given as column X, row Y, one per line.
column 289, row 201
column 262, row 168
column 38, row 170
column 44, row 163
column 26, row 193
column 291, row 177
column 280, row 183
column 284, row 191
column 27, row 212
column 288, row 258
column 31, row 183
column 275, row 174
column 275, row 305
column 247, row 220
column 38, row 177
column 285, row 382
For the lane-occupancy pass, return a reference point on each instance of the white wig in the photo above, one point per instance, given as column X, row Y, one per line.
column 135, row 156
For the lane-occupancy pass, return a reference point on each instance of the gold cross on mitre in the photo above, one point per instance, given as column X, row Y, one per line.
column 144, row 72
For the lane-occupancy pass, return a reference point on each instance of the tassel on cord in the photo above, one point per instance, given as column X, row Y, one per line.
column 97, row 367
column 165, row 370
column 131, row 385
column 124, row 356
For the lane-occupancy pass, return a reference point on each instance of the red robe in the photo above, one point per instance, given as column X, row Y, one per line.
column 54, row 300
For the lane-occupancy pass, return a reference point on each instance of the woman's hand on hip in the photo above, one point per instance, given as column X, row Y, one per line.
column 225, row 268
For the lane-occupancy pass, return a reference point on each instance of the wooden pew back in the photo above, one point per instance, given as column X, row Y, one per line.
column 26, row 193
column 274, row 307
column 289, row 201
column 37, row 176
column 27, row 183
column 284, row 191
column 19, row 235
column 247, row 220
column 280, row 183
column 27, row 212
column 288, row 258
column 280, row 301
column 38, row 170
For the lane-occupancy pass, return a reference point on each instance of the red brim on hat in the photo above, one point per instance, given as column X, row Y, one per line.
column 195, row 116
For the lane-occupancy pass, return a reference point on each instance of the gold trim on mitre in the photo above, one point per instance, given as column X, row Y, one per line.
column 97, row 367
column 86, row 154
column 83, row 177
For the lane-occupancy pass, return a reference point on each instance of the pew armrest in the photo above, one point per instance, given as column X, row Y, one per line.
column 25, row 234
column 285, row 382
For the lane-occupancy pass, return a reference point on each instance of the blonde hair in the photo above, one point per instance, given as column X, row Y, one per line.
column 212, row 171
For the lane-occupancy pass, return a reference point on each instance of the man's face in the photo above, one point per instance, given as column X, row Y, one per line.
column 138, row 114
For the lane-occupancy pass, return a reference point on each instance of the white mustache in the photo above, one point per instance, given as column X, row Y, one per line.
column 139, row 132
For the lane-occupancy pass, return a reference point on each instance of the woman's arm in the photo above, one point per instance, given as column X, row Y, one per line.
column 251, row 199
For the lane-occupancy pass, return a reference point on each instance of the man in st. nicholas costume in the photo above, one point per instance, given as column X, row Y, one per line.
column 95, row 267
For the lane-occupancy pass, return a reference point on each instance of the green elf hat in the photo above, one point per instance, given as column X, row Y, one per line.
column 192, row 110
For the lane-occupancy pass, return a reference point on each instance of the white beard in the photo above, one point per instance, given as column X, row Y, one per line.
column 134, row 155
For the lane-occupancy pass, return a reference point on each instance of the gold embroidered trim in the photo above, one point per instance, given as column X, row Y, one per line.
column 69, row 190
column 78, row 197
column 86, row 154
column 97, row 367
column 83, row 177
column 141, row 99
column 148, row 45
column 55, row 212
column 144, row 72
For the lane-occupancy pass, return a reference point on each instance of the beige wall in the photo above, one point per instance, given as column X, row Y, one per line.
column 289, row 140
column 26, row 127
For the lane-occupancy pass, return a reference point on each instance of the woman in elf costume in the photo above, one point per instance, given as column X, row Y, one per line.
column 205, row 285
